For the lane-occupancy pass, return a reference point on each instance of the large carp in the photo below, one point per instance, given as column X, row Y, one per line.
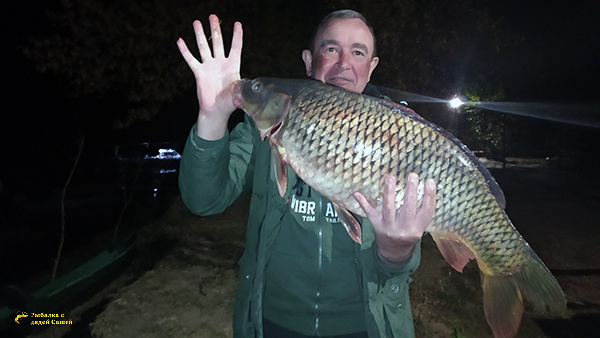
column 340, row 142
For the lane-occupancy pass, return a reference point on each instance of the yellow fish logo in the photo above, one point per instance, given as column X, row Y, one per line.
column 19, row 316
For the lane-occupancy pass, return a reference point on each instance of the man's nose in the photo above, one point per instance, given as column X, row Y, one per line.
column 343, row 60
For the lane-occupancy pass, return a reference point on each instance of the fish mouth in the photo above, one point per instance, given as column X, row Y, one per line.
column 236, row 91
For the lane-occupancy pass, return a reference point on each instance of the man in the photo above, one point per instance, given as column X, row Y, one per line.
column 301, row 274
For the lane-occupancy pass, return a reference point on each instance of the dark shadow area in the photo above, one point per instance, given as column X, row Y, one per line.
column 579, row 326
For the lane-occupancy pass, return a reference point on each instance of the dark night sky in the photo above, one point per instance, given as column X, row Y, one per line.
column 559, row 57
column 557, row 62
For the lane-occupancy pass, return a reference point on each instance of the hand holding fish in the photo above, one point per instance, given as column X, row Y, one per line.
column 215, row 76
column 398, row 231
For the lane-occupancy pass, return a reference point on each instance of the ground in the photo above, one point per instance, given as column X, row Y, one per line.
column 183, row 279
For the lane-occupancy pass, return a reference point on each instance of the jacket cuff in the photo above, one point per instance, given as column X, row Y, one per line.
column 206, row 145
column 405, row 268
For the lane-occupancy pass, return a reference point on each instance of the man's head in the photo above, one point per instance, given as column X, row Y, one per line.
column 342, row 51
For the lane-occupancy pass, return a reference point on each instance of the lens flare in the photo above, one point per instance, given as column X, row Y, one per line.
column 455, row 102
column 582, row 114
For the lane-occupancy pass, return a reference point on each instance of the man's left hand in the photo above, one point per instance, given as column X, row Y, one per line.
column 398, row 231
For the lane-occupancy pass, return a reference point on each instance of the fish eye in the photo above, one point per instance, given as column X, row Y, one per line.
column 256, row 86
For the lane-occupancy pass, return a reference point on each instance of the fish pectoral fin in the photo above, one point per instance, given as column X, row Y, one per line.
column 350, row 223
column 280, row 171
column 455, row 253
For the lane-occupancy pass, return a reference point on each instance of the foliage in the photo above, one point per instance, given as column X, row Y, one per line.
column 126, row 49
column 486, row 128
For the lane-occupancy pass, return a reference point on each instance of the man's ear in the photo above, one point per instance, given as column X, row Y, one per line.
column 307, row 58
column 374, row 63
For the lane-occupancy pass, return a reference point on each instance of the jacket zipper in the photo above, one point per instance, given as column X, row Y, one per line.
column 320, row 267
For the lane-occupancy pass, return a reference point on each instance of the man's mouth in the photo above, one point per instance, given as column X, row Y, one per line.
column 341, row 82
column 338, row 81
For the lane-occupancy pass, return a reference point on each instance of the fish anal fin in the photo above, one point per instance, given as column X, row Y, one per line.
column 455, row 253
column 350, row 223
column 280, row 171
column 502, row 304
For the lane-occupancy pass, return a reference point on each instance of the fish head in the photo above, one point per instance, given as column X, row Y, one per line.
column 264, row 101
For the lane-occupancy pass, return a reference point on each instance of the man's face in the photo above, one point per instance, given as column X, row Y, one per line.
column 343, row 55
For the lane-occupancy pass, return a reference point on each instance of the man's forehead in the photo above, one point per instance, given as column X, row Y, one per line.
column 330, row 32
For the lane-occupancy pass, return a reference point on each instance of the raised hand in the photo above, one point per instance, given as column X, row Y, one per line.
column 215, row 76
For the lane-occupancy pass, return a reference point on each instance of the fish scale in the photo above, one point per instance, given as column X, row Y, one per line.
column 340, row 142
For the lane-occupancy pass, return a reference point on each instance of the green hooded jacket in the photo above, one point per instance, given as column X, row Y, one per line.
column 213, row 174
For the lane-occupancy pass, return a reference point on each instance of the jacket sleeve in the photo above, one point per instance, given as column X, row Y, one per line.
column 386, row 289
column 213, row 174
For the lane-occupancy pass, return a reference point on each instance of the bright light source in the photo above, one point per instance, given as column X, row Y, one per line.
column 455, row 102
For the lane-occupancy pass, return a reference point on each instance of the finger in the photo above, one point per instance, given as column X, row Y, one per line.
column 409, row 206
column 187, row 55
column 369, row 210
column 205, row 52
column 427, row 210
column 388, row 207
column 217, row 39
column 236, row 43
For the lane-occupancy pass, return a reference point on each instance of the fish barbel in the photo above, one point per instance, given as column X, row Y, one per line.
column 340, row 142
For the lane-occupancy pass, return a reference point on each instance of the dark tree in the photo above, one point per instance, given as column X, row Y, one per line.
column 124, row 51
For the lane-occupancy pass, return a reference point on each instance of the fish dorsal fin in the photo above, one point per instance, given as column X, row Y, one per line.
column 350, row 223
column 455, row 253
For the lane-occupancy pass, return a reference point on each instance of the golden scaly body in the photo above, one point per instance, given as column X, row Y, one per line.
column 340, row 144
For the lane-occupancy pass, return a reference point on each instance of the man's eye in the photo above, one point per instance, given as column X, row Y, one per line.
column 358, row 53
column 330, row 50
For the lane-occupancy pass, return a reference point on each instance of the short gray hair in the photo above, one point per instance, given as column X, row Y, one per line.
column 340, row 14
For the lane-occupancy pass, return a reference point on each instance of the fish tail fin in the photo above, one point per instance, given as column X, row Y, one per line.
column 541, row 288
column 503, row 296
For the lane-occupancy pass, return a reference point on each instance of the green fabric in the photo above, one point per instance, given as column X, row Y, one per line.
column 213, row 174
column 312, row 283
